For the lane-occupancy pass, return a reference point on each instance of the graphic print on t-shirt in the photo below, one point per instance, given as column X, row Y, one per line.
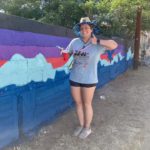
column 81, row 58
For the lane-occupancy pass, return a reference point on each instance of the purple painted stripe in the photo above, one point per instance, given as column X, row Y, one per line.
column 120, row 49
column 6, row 52
column 11, row 37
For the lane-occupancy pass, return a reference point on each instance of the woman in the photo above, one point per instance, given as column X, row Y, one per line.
column 86, row 51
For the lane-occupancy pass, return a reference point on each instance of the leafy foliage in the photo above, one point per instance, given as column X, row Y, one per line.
column 115, row 17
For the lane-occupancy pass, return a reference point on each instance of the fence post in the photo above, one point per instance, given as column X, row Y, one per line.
column 137, row 38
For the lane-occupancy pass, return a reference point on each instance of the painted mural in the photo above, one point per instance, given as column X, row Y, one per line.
column 26, row 57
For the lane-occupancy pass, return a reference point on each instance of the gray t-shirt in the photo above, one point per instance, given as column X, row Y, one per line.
column 86, row 57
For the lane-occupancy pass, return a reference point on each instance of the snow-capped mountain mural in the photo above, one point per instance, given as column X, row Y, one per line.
column 20, row 70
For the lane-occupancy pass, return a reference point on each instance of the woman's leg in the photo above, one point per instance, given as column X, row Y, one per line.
column 87, row 94
column 76, row 94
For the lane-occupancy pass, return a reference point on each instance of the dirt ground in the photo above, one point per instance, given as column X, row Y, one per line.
column 121, row 121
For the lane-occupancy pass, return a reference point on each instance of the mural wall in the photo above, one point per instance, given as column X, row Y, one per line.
column 26, row 57
column 32, row 71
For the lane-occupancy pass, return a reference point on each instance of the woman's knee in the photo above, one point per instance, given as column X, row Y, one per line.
column 79, row 103
column 88, row 104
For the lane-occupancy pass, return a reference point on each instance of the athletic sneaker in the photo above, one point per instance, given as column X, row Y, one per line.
column 77, row 130
column 85, row 133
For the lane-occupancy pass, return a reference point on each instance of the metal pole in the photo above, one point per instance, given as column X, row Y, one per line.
column 137, row 38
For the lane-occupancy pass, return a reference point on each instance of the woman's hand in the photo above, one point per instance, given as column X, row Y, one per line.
column 61, row 51
column 93, row 39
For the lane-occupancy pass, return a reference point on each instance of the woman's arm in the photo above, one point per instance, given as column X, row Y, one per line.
column 62, row 50
column 109, row 44
column 65, row 51
column 68, row 49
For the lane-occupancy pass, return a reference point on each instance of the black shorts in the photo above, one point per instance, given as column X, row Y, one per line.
column 72, row 83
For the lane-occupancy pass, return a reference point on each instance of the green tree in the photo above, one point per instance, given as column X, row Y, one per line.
column 115, row 17
column 24, row 8
column 65, row 13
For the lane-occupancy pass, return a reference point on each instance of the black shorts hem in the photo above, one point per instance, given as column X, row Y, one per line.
column 76, row 84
